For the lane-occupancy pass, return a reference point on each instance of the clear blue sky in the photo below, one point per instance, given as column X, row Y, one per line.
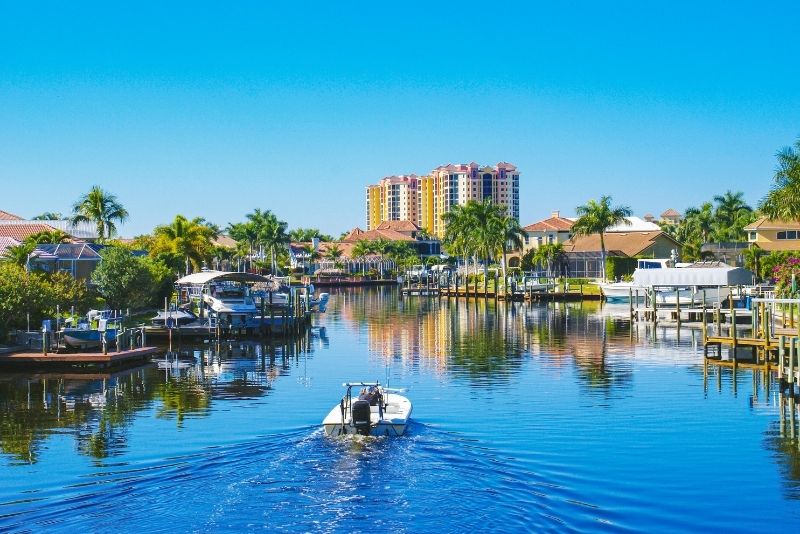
column 216, row 108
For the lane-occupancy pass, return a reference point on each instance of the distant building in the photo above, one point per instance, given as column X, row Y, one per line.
column 405, row 231
column 6, row 216
column 649, row 217
column 671, row 217
column 555, row 229
column 424, row 199
column 774, row 234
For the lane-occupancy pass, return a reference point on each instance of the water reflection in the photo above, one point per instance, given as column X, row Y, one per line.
column 99, row 408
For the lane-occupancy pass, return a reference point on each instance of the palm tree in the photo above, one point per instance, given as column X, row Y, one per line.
column 783, row 200
column 101, row 208
column 752, row 259
column 245, row 235
column 18, row 254
column 547, row 255
column 189, row 239
column 457, row 235
column 361, row 250
column 48, row 216
column 334, row 252
column 49, row 236
column 596, row 218
column 509, row 232
column 732, row 214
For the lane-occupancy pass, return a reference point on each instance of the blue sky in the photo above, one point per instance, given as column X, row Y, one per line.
column 212, row 109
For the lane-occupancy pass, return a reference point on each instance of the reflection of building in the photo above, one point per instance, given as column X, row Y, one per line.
column 423, row 200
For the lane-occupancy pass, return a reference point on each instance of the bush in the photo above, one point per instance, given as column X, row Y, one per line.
column 618, row 267
column 127, row 281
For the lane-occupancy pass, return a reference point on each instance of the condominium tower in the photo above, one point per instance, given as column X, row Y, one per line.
column 424, row 199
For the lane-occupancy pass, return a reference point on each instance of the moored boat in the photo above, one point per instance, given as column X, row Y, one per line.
column 375, row 411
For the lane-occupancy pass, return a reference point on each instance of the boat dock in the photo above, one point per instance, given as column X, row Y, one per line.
column 72, row 359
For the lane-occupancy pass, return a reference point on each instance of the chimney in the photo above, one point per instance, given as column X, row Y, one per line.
column 315, row 243
column 555, row 214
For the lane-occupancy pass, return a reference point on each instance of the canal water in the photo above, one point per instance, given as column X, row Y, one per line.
column 526, row 418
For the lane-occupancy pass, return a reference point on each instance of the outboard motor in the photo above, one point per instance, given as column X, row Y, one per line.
column 361, row 416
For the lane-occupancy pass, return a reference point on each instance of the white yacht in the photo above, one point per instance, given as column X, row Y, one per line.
column 375, row 411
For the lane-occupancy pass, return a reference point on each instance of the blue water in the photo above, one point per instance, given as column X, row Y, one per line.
column 526, row 418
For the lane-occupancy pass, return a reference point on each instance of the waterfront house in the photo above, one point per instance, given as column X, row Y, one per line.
column 774, row 234
column 554, row 229
column 639, row 240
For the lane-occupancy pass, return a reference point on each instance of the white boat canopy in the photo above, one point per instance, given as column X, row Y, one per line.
column 693, row 276
column 204, row 277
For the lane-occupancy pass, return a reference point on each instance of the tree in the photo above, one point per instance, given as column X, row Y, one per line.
column 48, row 216
column 783, row 200
column 191, row 240
column 509, row 232
column 18, row 255
column 752, row 259
column 596, row 218
column 548, row 255
column 305, row 235
column 124, row 280
column 334, row 253
column 48, row 237
column 101, row 208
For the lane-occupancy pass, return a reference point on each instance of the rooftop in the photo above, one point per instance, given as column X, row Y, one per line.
column 629, row 243
column 6, row 216
column 21, row 230
column 765, row 223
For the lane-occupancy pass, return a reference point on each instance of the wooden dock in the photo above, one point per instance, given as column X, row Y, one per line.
column 69, row 359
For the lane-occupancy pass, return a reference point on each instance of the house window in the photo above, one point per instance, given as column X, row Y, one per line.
column 788, row 234
column 752, row 236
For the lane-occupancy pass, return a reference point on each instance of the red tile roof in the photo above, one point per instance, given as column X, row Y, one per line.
column 6, row 216
column 629, row 243
column 358, row 234
column 557, row 224
column 399, row 226
column 20, row 232
column 670, row 213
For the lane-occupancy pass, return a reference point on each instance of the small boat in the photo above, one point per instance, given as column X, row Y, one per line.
column 621, row 291
column 375, row 411
column 86, row 337
column 180, row 317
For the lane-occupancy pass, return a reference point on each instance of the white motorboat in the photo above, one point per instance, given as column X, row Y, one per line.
column 621, row 291
column 177, row 317
column 375, row 411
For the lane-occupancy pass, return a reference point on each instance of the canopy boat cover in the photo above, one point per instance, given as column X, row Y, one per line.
column 693, row 276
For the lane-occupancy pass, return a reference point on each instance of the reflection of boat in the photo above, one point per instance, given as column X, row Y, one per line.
column 320, row 304
column 376, row 411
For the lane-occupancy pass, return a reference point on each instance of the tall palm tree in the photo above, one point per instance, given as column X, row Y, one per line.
column 732, row 215
column 596, row 218
column 360, row 251
column 783, row 200
column 245, row 235
column 334, row 252
column 102, row 208
column 457, row 239
column 189, row 239
column 510, row 234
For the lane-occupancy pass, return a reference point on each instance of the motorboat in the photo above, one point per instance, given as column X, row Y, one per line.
column 83, row 337
column 374, row 411
column 178, row 317
column 621, row 291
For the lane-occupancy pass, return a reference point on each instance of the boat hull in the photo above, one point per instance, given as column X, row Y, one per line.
column 87, row 338
column 391, row 421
